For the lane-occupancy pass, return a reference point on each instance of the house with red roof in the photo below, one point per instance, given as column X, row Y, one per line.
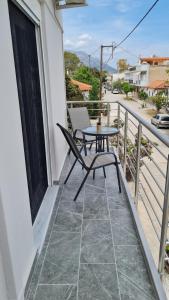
column 150, row 74
column 83, row 87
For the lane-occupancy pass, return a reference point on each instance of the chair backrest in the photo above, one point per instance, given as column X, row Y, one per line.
column 79, row 117
column 71, row 143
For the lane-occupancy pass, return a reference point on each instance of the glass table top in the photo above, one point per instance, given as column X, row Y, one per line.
column 103, row 131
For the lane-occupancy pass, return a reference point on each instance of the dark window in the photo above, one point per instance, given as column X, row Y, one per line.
column 165, row 119
column 27, row 75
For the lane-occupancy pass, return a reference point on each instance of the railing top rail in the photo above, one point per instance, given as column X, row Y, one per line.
column 140, row 119
column 90, row 101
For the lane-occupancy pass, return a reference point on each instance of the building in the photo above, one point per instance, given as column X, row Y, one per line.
column 148, row 70
column 33, row 152
column 157, row 86
column 83, row 87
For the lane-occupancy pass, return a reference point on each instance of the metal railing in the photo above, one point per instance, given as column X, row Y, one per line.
column 148, row 166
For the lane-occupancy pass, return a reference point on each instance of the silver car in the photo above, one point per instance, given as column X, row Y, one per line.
column 160, row 120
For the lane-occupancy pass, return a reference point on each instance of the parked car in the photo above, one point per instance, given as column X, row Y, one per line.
column 115, row 91
column 160, row 120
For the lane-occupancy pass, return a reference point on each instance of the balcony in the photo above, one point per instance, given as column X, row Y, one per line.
column 96, row 248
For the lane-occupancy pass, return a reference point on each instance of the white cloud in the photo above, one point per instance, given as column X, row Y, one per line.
column 125, row 5
column 101, row 3
column 79, row 42
column 85, row 37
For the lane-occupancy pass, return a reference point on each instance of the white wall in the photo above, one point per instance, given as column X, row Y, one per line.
column 15, row 210
column 3, row 295
column 54, row 70
column 16, row 232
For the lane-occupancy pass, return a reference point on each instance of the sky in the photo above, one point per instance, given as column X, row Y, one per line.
column 107, row 21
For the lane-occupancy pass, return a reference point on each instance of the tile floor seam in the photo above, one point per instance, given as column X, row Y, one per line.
column 47, row 246
column 118, row 282
column 97, row 187
column 57, row 284
column 134, row 284
column 77, row 295
column 97, row 263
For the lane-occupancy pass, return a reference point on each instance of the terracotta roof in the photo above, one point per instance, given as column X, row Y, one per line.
column 154, row 59
column 82, row 86
column 158, row 84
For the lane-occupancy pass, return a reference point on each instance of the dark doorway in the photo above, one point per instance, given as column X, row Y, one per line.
column 27, row 74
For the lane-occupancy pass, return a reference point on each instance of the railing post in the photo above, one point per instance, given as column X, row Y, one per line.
column 118, row 125
column 108, row 114
column 164, row 226
column 125, row 141
column 138, row 162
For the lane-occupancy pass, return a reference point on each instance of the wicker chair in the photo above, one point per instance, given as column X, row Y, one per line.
column 90, row 162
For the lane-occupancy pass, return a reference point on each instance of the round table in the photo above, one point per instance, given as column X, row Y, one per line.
column 101, row 134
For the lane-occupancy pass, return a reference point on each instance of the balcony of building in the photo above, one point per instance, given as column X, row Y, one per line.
column 108, row 245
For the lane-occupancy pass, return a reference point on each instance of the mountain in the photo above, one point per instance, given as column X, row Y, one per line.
column 94, row 62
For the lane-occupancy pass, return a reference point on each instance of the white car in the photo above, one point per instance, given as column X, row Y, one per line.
column 160, row 120
column 115, row 91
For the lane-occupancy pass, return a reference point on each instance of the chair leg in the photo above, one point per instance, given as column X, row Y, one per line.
column 70, row 171
column 104, row 171
column 107, row 141
column 69, row 151
column 77, row 194
column 91, row 146
column 93, row 174
column 118, row 177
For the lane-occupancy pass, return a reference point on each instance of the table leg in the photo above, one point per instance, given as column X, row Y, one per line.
column 84, row 143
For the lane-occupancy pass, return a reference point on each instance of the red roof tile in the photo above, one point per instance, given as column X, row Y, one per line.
column 158, row 84
column 82, row 86
column 154, row 59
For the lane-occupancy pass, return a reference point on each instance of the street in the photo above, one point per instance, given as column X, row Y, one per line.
column 135, row 106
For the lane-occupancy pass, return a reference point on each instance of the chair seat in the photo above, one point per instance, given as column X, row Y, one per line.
column 101, row 161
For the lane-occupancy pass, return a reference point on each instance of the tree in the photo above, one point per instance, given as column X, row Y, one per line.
column 126, row 87
column 117, row 85
column 142, row 95
column 122, row 65
column 159, row 100
column 86, row 75
column 83, row 74
column 72, row 62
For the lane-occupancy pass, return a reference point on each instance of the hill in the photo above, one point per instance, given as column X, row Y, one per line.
column 95, row 62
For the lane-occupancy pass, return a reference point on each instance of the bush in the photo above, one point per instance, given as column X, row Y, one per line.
column 127, row 88
column 142, row 95
column 159, row 100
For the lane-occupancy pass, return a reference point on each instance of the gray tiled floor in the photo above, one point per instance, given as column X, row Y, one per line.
column 91, row 251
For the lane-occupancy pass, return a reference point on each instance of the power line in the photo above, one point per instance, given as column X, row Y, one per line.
column 106, row 62
column 150, row 9
column 98, row 48
column 129, row 52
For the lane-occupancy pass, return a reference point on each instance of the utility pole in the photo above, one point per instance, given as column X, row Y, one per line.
column 101, row 71
column 101, row 65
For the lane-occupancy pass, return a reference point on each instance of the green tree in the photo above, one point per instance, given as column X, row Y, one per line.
column 117, row 85
column 159, row 100
column 86, row 75
column 72, row 62
column 142, row 95
column 83, row 74
column 127, row 87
